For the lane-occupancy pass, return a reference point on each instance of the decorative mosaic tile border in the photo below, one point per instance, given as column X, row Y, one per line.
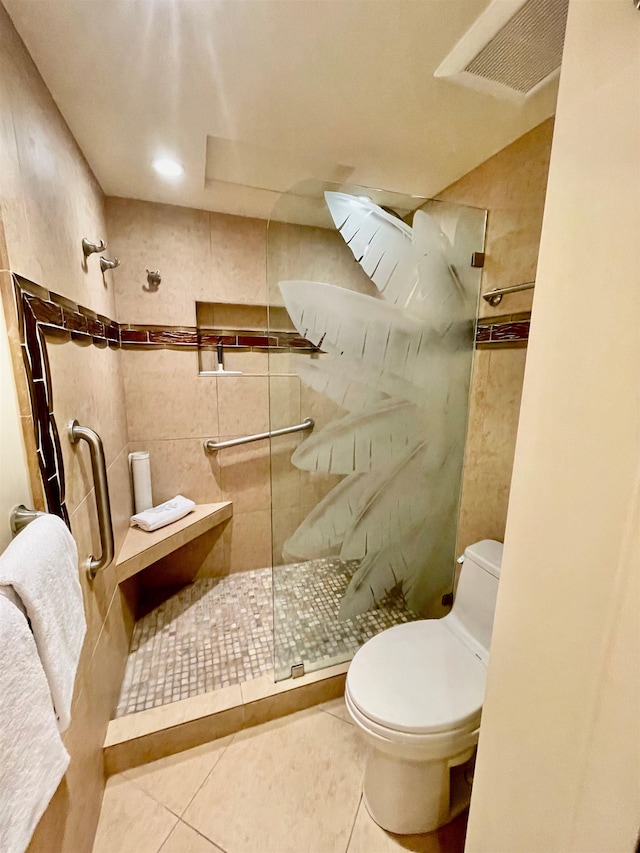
column 194, row 338
column 58, row 315
column 209, row 338
column 508, row 330
column 38, row 374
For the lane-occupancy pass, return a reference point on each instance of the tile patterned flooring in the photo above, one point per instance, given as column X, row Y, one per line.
column 292, row 785
column 220, row 631
column 211, row 634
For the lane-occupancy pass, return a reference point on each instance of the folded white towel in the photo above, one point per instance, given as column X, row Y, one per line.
column 41, row 564
column 159, row 516
column 33, row 759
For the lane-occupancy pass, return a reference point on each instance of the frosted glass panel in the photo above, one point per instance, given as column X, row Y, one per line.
column 365, row 508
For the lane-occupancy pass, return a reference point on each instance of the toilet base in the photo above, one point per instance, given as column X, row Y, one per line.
column 412, row 797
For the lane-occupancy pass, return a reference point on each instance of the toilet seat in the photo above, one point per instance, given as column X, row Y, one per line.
column 415, row 681
column 415, row 747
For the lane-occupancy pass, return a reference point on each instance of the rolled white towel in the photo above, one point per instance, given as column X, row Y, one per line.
column 163, row 514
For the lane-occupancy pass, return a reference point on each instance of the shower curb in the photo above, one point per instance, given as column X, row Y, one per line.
column 146, row 736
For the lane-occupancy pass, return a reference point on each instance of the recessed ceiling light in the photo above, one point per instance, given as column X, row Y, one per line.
column 167, row 167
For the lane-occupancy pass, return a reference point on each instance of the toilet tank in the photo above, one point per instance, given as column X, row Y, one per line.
column 475, row 601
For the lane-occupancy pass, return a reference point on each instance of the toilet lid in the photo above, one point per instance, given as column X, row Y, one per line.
column 417, row 677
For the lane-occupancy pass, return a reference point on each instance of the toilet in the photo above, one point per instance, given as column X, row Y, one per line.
column 415, row 693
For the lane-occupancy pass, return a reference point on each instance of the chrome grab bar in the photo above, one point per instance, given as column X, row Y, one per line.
column 210, row 446
column 103, row 504
column 494, row 297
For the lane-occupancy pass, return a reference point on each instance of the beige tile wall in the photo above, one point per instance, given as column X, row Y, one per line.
column 49, row 198
column 311, row 254
column 171, row 409
column 511, row 186
column 201, row 256
column 493, row 423
column 49, row 201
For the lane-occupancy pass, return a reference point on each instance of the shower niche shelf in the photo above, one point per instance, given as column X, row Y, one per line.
column 141, row 549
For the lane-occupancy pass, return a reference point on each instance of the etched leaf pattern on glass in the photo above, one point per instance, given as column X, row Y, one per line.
column 398, row 366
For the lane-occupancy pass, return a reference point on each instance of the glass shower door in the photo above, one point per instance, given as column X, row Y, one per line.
column 372, row 306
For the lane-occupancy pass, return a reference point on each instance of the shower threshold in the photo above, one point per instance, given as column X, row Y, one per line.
column 146, row 736
column 219, row 632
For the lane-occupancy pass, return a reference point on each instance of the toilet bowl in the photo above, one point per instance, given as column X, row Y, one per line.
column 415, row 693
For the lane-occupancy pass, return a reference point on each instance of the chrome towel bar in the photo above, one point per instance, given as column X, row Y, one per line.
column 494, row 297
column 211, row 446
column 21, row 516
column 103, row 504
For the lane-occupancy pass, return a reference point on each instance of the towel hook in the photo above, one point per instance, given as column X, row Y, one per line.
column 109, row 264
column 90, row 248
column 153, row 279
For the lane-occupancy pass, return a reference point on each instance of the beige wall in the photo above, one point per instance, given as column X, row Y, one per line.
column 14, row 474
column 49, row 201
column 511, row 186
column 202, row 256
column 559, row 756
column 170, row 408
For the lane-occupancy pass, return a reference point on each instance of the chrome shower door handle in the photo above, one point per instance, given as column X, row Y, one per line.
column 103, row 504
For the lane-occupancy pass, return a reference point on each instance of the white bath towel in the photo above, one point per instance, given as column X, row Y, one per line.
column 33, row 759
column 41, row 564
column 159, row 516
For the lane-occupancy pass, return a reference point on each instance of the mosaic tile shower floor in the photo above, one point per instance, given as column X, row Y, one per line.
column 219, row 631
column 306, row 625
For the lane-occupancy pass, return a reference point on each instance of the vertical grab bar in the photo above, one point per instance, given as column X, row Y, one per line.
column 103, row 504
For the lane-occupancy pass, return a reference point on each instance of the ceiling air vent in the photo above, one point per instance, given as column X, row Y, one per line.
column 514, row 48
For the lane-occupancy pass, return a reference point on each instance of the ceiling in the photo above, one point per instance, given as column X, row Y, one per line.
column 253, row 96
